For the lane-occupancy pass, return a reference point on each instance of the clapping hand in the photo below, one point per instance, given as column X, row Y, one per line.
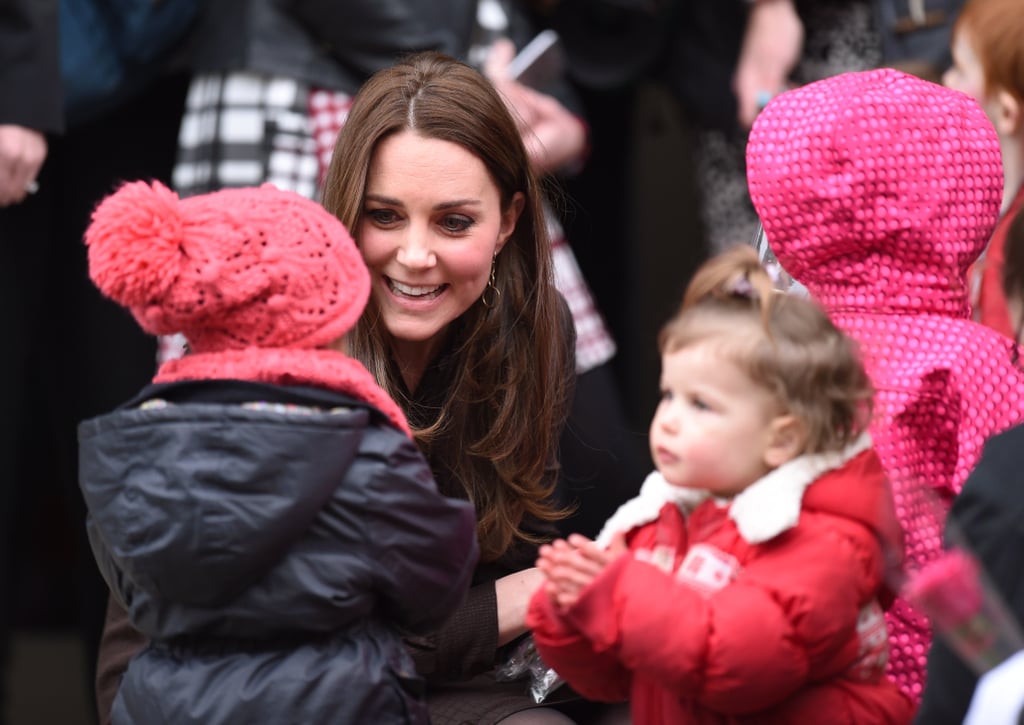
column 571, row 565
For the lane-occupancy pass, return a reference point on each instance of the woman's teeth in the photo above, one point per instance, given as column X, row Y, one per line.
column 410, row 291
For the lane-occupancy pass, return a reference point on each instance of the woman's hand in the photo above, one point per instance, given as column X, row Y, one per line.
column 514, row 592
column 571, row 566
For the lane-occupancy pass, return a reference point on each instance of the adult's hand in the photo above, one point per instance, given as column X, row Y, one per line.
column 772, row 45
column 554, row 137
column 22, row 152
column 513, row 593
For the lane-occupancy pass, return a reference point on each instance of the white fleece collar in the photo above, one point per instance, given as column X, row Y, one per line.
column 654, row 493
column 761, row 512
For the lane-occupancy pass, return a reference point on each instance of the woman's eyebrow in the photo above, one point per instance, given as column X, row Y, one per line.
column 457, row 203
column 381, row 199
column 453, row 204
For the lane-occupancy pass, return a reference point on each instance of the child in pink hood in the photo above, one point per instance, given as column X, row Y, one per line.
column 877, row 190
column 746, row 582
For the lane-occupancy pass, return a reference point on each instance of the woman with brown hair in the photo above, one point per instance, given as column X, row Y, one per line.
column 491, row 330
column 466, row 331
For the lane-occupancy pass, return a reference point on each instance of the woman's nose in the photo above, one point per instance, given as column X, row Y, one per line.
column 415, row 251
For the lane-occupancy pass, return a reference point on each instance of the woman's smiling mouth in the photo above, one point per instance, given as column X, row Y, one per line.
column 414, row 292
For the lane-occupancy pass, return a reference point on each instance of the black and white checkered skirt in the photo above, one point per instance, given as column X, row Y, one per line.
column 244, row 129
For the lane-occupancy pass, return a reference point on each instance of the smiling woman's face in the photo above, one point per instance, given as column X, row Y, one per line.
column 431, row 224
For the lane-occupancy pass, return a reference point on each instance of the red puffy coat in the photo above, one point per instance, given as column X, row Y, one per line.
column 764, row 610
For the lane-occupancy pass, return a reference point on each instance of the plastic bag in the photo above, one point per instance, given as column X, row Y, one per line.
column 783, row 280
column 525, row 663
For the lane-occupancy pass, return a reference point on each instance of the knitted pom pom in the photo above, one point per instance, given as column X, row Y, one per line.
column 230, row 269
column 134, row 243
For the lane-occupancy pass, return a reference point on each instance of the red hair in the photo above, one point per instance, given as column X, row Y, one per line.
column 996, row 28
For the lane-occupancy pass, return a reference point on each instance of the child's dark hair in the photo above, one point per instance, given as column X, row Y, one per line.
column 784, row 342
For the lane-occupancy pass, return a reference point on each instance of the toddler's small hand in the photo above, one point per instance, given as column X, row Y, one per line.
column 570, row 566
column 617, row 546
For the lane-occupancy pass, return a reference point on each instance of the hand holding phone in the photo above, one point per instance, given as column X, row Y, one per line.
column 540, row 62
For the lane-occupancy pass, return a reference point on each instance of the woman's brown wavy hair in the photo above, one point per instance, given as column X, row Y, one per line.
column 497, row 431
column 784, row 342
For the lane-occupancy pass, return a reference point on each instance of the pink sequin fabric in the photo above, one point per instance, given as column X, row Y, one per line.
column 877, row 190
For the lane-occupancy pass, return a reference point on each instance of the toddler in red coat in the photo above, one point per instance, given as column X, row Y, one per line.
column 746, row 582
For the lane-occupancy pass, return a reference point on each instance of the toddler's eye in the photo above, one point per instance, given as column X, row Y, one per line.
column 697, row 402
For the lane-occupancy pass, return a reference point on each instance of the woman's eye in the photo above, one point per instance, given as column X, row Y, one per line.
column 456, row 223
column 382, row 217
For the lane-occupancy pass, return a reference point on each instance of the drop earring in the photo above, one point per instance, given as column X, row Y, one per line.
column 491, row 293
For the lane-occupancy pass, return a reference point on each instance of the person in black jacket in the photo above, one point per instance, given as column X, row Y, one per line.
column 987, row 517
column 25, row 118
column 261, row 509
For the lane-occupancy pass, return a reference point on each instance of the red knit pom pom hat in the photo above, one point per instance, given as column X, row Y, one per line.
column 233, row 269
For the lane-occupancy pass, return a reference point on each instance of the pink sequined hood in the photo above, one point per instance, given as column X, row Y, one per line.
column 877, row 190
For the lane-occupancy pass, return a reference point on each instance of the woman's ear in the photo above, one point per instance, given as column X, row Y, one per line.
column 786, row 440
column 509, row 219
column 1008, row 113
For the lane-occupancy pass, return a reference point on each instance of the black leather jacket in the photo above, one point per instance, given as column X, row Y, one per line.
column 30, row 88
column 325, row 43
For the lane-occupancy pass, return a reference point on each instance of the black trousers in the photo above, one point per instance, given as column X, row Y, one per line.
column 68, row 354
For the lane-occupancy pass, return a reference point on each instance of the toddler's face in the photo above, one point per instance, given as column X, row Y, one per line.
column 713, row 425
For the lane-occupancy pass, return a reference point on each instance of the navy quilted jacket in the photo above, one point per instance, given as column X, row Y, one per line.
column 271, row 555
